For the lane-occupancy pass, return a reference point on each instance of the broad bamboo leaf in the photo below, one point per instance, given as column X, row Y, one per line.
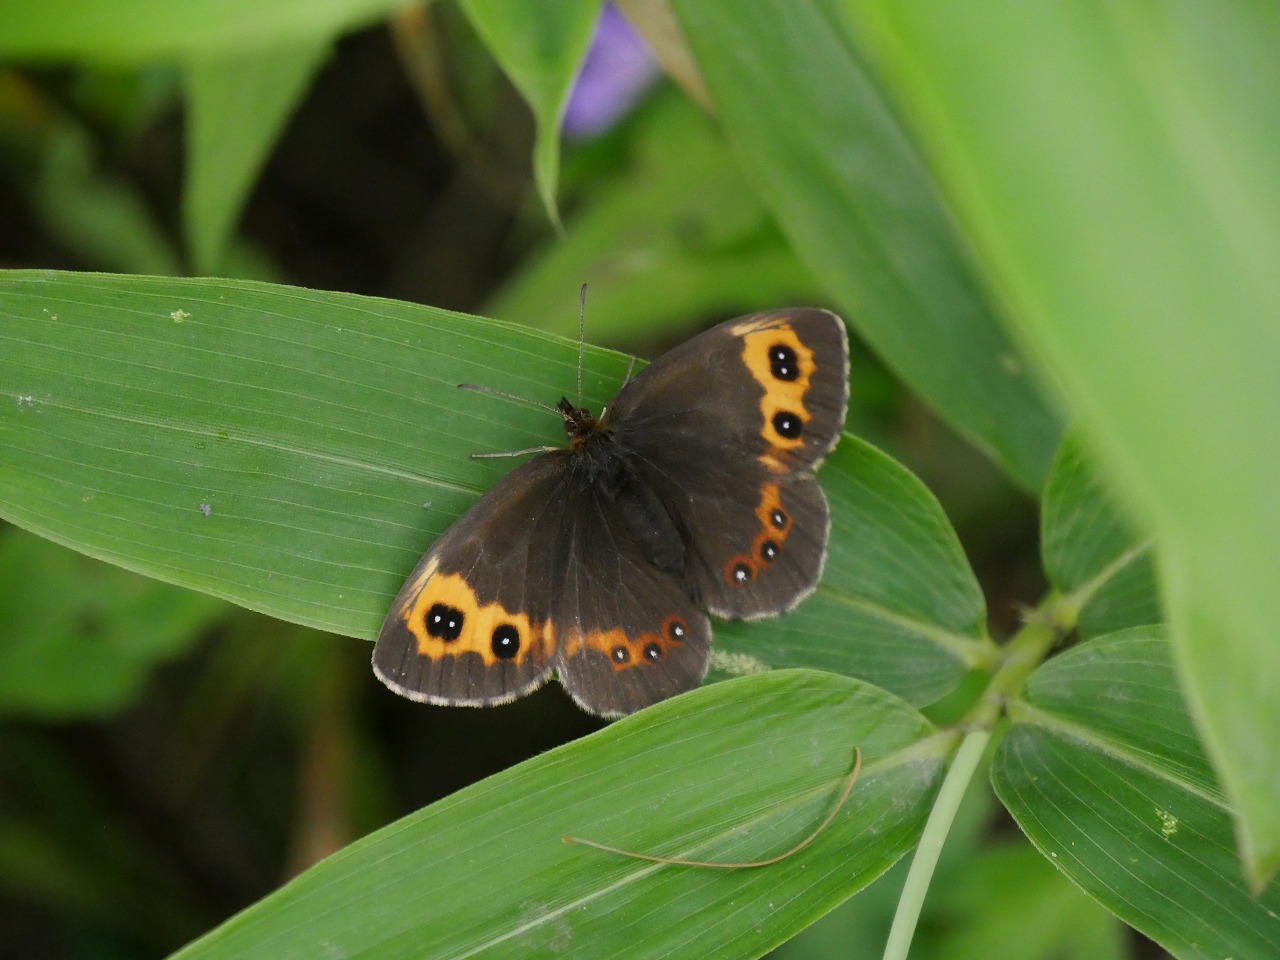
column 296, row 451
column 1115, row 172
column 829, row 158
column 734, row 771
column 1103, row 771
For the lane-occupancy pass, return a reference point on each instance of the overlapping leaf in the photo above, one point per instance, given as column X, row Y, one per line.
column 540, row 47
column 134, row 31
column 1090, row 551
column 735, row 771
column 80, row 636
column 850, row 191
column 237, row 103
column 1104, row 773
column 1116, row 176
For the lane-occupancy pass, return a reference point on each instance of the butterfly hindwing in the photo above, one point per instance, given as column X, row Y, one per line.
column 726, row 430
column 629, row 633
column 756, row 543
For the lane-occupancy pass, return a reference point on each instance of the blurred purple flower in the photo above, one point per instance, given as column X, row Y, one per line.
column 617, row 72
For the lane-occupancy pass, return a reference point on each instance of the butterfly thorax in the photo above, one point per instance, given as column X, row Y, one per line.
column 599, row 464
column 579, row 424
column 594, row 455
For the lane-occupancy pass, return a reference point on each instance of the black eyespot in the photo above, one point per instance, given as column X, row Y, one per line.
column 741, row 573
column 620, row 654
column 778, row 518
column 506, row 641
column 787, row 424
column 769, row 551
column 652, row 652
column 444, row 622
column 782, row 362
column 676, row 630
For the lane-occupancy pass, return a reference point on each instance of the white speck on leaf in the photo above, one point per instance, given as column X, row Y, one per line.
column 26, row 400
column 1168, row 823
column 179, row 315
column 206, row 508
column 738, row 664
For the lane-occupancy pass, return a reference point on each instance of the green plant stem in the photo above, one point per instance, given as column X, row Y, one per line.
column 1048, row 623
column 935, row 833
column 1028, row 648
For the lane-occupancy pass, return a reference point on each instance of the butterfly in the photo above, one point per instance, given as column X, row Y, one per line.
column 693, row 493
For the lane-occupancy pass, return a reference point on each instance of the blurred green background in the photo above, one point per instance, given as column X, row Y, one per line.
column 167, row 759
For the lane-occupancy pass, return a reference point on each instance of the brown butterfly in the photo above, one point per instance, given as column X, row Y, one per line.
column 692, row 493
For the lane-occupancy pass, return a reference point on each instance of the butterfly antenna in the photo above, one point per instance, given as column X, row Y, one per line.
column 513, row 453
column 582, row 330
column 480, row 388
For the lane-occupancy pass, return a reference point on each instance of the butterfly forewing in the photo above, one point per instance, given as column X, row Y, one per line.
column 726, row 430
column 470, row 625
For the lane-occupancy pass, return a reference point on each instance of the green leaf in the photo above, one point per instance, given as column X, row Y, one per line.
column 293, row 451
column 740, row 770
column 850, row 192
column 674, row 236
column 898, row 604
column 1116, row 173
column 80, row 636
column 1103, row 771
column 1090, row 552
column 237, row 104
column 540, row 47
column 296, row 452
column 134, row 31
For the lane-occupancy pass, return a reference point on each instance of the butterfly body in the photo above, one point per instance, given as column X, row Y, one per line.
column 692, row 493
